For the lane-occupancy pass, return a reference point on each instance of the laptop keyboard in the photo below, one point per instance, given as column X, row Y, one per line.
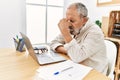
column 44, row 58
column 54, row 54
column 49, row 57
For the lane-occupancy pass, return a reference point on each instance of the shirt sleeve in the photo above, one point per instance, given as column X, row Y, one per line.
column 70, row 44
column 58, row 41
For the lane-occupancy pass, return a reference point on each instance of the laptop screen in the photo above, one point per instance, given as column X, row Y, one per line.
column 29, row 46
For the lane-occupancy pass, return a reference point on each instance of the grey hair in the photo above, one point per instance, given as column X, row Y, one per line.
column 81, row 8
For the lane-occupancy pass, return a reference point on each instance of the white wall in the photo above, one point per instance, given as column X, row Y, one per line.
column 94, row 11
column 12, row 21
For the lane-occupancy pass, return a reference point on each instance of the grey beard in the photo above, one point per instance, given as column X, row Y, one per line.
column 73, row 31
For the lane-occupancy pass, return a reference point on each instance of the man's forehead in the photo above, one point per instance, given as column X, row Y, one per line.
column 72, row 7
column 71, row 12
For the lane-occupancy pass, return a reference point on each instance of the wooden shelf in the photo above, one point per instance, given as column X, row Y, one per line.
column 113, row 2
column 113, row 19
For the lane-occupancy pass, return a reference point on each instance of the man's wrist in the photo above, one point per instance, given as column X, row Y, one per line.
column 60, row 49
column 68, row 38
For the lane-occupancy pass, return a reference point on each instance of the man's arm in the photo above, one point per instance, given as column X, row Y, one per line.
column 65, row 37
column 58, row 44
column 61, row 49
column 64, row 28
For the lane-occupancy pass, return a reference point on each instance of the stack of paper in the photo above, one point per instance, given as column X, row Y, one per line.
column 67, row 70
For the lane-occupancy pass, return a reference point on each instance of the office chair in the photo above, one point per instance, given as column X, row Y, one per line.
column 111, row 49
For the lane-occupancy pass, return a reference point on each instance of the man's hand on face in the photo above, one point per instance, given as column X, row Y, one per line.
column 64, row 25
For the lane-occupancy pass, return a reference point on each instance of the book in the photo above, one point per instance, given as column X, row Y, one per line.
column 116, row 30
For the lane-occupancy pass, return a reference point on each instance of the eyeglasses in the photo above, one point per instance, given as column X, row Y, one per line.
column 40, row 50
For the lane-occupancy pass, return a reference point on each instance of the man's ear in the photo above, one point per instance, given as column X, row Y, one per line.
column 82, row 20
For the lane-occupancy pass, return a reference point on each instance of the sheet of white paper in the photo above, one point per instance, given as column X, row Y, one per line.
column 77, row 72
column 102, row 1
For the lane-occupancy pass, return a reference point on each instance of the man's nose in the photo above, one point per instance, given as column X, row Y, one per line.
column 68, row 20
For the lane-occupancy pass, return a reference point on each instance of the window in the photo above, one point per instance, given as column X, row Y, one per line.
column 42, row 17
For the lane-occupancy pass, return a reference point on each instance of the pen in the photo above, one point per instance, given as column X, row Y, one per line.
column 17, row 38
column 58, row 72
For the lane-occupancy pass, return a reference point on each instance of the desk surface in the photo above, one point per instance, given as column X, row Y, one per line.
column 18, row 66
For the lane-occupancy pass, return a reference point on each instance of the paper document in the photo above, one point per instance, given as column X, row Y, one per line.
column 67, row 70
column 103, row 1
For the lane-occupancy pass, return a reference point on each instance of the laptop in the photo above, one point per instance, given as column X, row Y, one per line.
column 47, row 57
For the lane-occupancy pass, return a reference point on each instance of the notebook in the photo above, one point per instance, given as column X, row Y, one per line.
column 47, row 57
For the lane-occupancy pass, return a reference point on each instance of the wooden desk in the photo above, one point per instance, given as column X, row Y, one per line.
column 17, row 66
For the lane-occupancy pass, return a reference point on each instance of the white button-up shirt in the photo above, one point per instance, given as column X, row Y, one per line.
column 87, row 47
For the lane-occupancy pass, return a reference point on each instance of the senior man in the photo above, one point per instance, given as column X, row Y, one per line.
column 80, row 39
